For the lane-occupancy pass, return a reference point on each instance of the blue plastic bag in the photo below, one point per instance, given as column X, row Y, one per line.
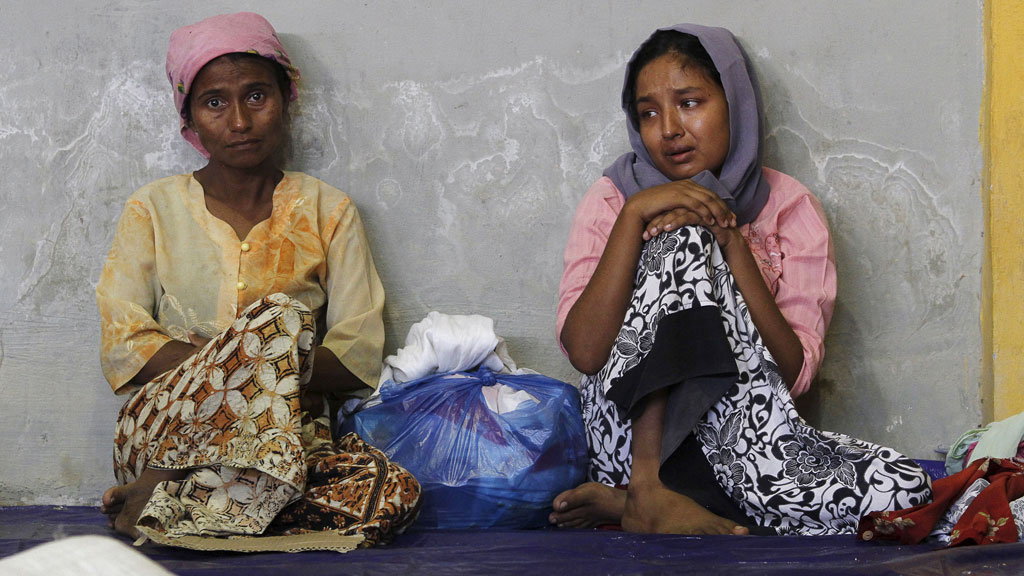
column 479, row 468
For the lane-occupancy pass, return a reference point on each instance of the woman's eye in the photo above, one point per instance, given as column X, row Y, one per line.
column 648, row 114
column 214, row 103
column 689, row 103
column 257, row 97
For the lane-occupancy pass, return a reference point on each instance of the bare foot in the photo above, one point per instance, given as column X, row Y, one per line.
column 588, row 505
column 654, row 509
column 123, row 504
column 113, row 503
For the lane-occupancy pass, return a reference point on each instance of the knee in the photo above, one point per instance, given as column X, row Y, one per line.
column 277, row 307
column 402, row 489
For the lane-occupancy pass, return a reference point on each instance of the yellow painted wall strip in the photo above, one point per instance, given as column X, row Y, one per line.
column 1002, row 133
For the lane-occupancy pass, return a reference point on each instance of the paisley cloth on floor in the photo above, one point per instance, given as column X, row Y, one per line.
column 258, row 466
column 983, row 504
column 688, row 330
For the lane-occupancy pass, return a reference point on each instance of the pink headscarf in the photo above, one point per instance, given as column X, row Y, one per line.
column 192, row 47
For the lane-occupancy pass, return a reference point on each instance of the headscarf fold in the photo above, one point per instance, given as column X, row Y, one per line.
column 740, row 183
column 194, row 46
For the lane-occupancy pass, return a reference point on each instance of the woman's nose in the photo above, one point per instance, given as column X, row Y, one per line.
column 240, row 118
column 671, row 126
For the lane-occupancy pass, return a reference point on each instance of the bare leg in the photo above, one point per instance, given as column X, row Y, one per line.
column 650, row 506
column 124, row 504
column 588, row 505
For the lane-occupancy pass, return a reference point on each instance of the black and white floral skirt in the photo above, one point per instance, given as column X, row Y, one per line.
column 688, row 330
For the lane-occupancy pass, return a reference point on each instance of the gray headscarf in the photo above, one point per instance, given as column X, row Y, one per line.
column 740, row 183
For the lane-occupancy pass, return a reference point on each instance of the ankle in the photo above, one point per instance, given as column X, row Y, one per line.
column 643, row 485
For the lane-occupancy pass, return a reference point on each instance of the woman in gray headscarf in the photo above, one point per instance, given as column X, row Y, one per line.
column 698, row 286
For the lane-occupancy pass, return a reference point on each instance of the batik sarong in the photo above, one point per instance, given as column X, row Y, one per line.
column 258, row 465
column 688, row 331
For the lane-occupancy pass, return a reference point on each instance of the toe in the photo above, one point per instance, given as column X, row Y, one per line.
column 576, row 523
column 113, row 497
column 561, row 502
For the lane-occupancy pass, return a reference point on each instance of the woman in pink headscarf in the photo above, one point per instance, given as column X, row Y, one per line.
column 238, row 302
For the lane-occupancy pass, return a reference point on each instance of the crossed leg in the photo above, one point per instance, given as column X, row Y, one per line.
column 647, row 506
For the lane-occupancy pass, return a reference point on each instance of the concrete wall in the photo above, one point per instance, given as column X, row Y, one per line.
column 467, row 132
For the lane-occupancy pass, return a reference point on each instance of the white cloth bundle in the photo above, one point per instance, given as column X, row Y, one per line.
column 443, row 343
column 446, row 343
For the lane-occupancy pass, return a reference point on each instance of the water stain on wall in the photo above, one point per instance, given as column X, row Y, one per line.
column 467, row 181
column 908, row 284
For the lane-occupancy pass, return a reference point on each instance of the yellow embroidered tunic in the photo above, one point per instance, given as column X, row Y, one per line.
column 175, row 268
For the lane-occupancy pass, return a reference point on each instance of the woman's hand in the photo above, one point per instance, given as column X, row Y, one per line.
column 682, row 203
column 727, row 238
column 168, row 357
column 331, row 383
column 198, row 341
column 776, row 333
column 595, row 319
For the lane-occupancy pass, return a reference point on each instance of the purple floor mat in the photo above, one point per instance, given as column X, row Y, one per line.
column 540, row 552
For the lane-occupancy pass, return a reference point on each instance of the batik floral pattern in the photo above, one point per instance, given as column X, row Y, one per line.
column 231, row 415
column 782, row 472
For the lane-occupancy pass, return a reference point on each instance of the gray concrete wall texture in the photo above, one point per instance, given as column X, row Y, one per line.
column 467, row 132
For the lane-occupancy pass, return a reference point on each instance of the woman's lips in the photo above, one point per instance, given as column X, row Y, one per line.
column 681, row 155
column 244, row 144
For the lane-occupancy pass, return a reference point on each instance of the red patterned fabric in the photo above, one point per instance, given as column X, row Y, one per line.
column 987, row 520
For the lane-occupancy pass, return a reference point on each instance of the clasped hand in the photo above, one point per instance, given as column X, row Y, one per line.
column 681, row 203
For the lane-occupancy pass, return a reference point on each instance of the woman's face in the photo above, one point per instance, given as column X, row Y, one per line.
column 683, row 117
column 238, row 111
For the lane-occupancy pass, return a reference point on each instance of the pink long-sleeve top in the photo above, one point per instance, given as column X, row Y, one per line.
column 789, row 240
